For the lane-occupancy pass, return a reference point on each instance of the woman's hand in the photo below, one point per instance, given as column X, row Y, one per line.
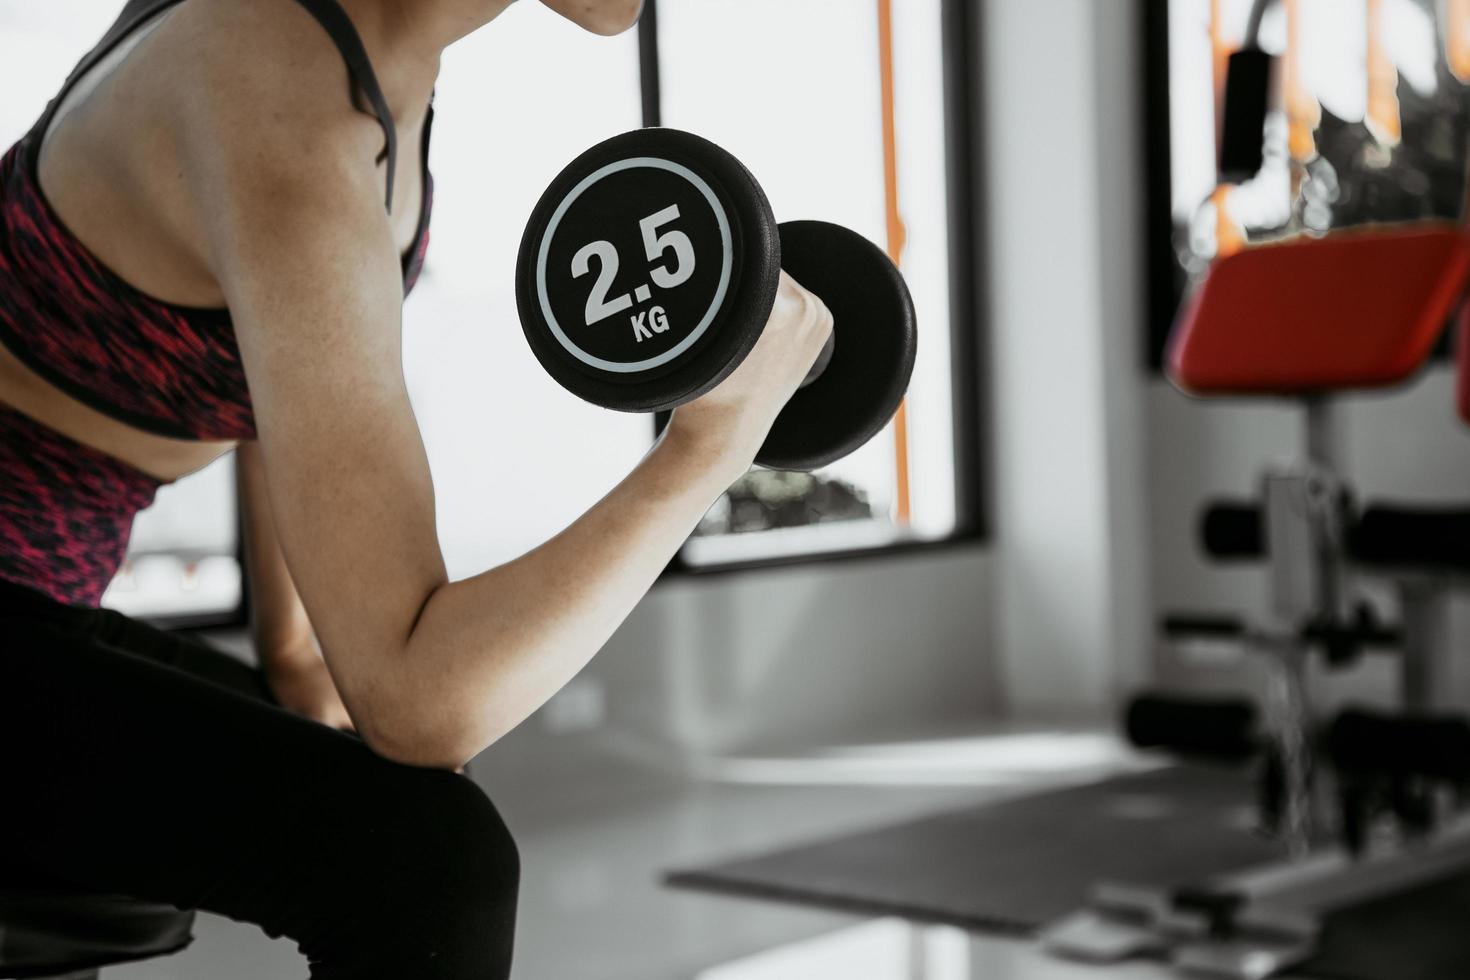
column 737, row 414
column 301, row 683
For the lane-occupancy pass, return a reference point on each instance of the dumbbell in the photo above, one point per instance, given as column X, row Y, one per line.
column 649, row 268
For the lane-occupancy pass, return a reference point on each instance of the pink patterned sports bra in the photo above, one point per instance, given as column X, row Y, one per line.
column 66, row 510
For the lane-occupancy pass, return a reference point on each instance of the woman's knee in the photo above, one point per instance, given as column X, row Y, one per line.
column 471, row 873
column 435, row 881
column 468, row 840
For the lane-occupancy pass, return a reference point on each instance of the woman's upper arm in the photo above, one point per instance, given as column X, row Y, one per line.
column 298, row 238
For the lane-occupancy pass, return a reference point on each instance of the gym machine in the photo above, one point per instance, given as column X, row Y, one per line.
column 1367, row 803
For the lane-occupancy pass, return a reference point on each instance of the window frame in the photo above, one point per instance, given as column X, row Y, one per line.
column 1165, row 288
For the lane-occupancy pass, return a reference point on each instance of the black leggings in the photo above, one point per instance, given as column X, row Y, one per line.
column 141, row 762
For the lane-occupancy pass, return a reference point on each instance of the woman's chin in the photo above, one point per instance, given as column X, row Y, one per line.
column 605, row 17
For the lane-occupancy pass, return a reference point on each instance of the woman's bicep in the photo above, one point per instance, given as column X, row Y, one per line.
column 348, row 487
column 309, row 269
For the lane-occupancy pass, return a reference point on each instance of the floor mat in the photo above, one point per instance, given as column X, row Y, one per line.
column 1017, row 865
column 1418, row 934
column 1014, row 866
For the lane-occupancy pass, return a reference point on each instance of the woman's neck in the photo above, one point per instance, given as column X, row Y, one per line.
column 404, row 39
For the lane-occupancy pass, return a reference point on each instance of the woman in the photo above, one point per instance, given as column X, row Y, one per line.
column 205, row 245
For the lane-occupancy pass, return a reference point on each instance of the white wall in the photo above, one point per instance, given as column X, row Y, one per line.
column 810, row 654
column 1069, row 497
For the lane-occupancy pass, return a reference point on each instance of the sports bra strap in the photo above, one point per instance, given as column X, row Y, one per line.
column 339, row 28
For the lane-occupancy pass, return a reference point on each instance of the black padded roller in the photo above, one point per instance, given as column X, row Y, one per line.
column 1233, row 530
column 1210, row 728
column 1413, row 536
column 1437, row 747
column 1384, row 534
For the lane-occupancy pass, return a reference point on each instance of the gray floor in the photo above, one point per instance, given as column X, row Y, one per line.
column 596, row 828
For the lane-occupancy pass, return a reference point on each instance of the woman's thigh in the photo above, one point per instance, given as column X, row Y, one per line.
column 180, row 650
column 125, row 775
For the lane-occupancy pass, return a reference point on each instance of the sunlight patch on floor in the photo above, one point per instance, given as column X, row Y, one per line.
column 987, row 760
column 887, row 949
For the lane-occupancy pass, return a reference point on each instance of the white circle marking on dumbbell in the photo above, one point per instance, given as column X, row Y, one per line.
column 721, row 219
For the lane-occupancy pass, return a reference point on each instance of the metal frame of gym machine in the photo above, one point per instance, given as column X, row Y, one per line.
column 1257, row 923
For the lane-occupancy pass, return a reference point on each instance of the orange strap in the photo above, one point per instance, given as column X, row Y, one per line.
column 1220, row 50
column 1383, row 83
column 1303, row 112
column 1228, row 238
column 895, row 233
column 1457, row 37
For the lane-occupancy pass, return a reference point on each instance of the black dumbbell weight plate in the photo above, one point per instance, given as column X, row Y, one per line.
column 647, row 270
column 875, row 342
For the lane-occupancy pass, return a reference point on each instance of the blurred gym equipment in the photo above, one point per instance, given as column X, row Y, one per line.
column 1367, row 804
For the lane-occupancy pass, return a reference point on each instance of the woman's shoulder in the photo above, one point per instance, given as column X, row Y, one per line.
column 263, row 85
column 263, row 61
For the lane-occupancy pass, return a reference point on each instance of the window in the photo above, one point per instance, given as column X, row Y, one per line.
column 1370, row 126
column 796, row 90
column 515, row 458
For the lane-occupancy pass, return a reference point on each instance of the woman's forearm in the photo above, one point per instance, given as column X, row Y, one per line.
column 488, row 650
column 279, row 625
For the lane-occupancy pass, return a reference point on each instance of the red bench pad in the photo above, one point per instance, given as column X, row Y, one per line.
column 1355, row 309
